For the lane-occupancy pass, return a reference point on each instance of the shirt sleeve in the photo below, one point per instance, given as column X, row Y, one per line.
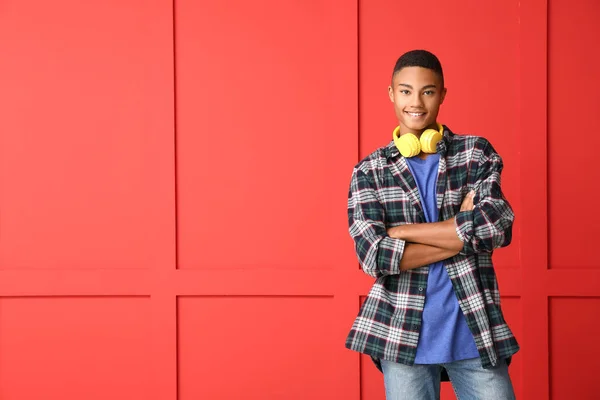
column 489, row 225
column 378, row 254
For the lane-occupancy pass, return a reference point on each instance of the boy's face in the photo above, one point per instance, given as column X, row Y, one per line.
column 417, row 94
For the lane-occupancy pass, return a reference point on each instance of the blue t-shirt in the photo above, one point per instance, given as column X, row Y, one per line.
column 445, row 336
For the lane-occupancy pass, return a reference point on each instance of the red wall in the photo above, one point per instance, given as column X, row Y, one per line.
column 174, row 175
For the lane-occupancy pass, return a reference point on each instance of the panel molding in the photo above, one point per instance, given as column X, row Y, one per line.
column 534, row 216
column 43, row 282
column 573, row 283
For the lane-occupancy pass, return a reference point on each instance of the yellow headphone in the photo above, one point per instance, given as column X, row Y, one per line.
column 410, row 146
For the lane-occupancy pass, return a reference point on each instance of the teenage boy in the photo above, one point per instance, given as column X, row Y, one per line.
column 426, row 213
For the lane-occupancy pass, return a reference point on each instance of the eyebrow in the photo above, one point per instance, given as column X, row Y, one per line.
column 423, row 88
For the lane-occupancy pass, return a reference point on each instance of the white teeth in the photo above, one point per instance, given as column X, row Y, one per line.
column 415, row 114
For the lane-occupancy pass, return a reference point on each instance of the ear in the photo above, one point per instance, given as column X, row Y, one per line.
column 391, row 93
column 443, row 96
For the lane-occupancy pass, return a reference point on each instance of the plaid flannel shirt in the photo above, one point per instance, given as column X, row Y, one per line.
column 383, row 193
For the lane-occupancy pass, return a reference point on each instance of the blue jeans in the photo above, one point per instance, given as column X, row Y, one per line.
column 470, row 381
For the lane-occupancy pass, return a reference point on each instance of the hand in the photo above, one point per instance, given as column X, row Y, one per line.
column 467, row 203
column 394, row 232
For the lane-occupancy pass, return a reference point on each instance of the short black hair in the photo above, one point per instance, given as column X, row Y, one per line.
column 419, row 58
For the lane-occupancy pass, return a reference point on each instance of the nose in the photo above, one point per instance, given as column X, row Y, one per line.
column 416, row 101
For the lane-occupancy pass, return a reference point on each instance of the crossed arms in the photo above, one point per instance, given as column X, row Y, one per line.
column 430, row 242
column 478, row 227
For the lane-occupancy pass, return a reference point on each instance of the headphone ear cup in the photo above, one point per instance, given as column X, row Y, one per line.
column 429, row 140
column 407, row 144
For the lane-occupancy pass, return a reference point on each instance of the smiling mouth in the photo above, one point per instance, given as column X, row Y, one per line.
column 415, row 114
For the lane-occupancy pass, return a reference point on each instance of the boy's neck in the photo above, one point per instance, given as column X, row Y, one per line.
column 404, row 130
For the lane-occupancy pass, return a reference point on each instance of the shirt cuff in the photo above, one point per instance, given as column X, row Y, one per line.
column 390, row 254
column 464, row 226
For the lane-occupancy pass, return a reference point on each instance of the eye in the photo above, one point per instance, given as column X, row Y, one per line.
column 429, row 93
column 404, row 91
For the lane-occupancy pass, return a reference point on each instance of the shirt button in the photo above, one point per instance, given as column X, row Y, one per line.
column 420, row 289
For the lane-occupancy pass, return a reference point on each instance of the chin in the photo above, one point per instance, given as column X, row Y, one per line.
column 416, row 126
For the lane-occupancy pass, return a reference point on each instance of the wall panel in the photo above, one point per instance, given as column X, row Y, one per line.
column 264, row 161
column 86, row 154
column 573, row 84
column 256, row 347
column 75, row 348
column 574, row 347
